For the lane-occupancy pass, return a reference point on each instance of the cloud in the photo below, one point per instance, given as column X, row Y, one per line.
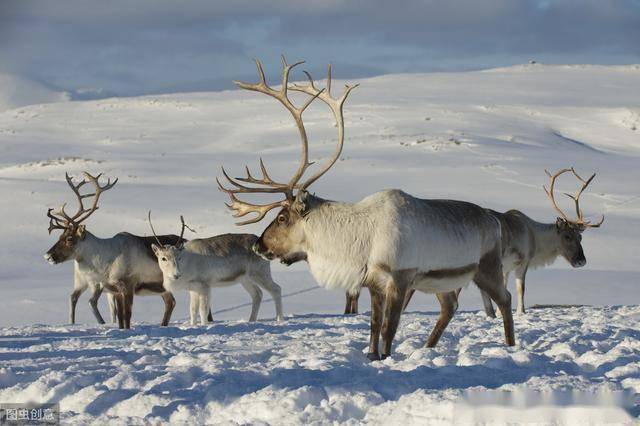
column 145, row 46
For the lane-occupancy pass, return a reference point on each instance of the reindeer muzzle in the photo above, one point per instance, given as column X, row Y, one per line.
column 579, row 263
column 50, row 260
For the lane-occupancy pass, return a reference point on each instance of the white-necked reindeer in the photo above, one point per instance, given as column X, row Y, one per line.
column 221, row 261
column 528, row 244
column 389, row 242
column 122, row 265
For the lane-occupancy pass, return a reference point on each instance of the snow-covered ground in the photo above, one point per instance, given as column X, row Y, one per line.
column 480, row 136
column 312, row 369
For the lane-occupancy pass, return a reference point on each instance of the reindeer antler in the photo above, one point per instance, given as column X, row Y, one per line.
column 550, row 192
column 61, row 220
column 266, row 184
column 184, row 225
column 576, row 200
column 579, row 221
column 335, row 104
column 153, row 230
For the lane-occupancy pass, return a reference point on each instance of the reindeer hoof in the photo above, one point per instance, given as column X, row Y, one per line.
column 372, row 356
column 383, row 357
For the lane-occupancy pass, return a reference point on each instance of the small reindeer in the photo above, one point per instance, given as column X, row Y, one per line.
column 527, row 244
column 122, row 265
column 221, row 261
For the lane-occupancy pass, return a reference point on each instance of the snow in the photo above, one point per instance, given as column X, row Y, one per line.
column 480, row 136
column 312, row 369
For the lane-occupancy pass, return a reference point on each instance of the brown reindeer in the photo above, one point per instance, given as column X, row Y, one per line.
column 389, row 242
column 122, row 265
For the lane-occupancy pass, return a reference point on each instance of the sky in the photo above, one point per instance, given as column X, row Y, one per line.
column 103, row 48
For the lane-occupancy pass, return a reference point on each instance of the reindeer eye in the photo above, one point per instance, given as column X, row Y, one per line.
column 164, row 259
column 282, row 218
column 567, row 237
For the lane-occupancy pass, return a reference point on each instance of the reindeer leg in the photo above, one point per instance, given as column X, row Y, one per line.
column 128, row 305
column 377, row 299
column 120, row 309
column 266, row 282
column 448, row 307
column 113, row 311
column 256, row 298
column 347, row 308
column 93, row 302
column 488, row 306
column 194, row 300
column 117, row 290
column 169, row 304
column 75, row 295
column 490, row 279
column 352, row 303
column 203, row 307
column 407, row 299
column 520, row 282
column 394, row 299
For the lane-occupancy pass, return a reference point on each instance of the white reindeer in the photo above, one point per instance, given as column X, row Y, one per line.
column 528, row 244
column 221, row 261
column 389, row 242
column 122, row 265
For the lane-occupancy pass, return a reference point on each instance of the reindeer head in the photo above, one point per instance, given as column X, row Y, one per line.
column 570, row 230
column 169, row 255
column 284, row 237
column 72, row 229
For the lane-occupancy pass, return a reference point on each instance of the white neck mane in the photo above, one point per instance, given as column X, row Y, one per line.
column 337, row 243
column 547, row 244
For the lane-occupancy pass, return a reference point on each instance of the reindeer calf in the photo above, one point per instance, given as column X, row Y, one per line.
column 220, row 261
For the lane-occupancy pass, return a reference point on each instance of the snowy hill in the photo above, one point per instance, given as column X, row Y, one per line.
column 481, row 136
column 16, row 92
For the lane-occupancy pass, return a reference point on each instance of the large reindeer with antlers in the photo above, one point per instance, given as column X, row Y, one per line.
column 528, row 244
column 221, row 261
column 122, row 265
column 389, row 242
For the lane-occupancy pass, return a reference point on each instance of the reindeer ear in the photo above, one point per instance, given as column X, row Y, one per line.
column 81, row 232
column 155, row 249
column 561, row 224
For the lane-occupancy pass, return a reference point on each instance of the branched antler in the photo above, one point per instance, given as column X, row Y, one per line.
column 61, row 220
column 266, row 184
column 335, row 104
column 576, row 200
column 579, row 221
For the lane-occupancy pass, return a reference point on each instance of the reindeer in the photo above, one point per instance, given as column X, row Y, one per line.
column 122, row 265
column 221, row 261
column 527, row 244
column 389, row 242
